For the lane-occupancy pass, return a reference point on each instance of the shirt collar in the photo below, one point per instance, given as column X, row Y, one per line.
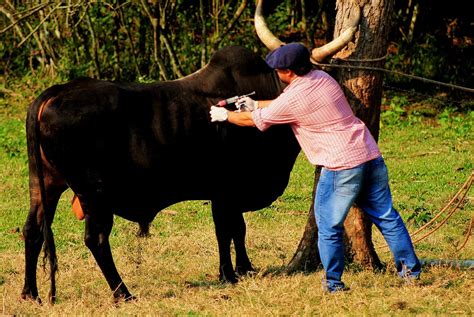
column 297, row 80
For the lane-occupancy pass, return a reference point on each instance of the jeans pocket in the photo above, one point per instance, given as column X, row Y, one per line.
column 348, row 182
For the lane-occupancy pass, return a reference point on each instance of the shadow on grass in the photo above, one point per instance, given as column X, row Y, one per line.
column 271, row 271
column 215, row 283
column 283, row 270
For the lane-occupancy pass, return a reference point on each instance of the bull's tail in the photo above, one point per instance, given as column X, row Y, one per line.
column 45, row 214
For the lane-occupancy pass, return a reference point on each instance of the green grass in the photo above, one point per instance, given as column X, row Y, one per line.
column 174, row 272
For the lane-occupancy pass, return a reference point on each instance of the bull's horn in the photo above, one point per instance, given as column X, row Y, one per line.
column 317, row 54
column 263, row 32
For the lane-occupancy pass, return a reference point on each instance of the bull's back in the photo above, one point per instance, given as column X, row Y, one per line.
column 124, row 138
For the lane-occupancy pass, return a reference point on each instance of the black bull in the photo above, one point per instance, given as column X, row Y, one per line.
column 134, row 149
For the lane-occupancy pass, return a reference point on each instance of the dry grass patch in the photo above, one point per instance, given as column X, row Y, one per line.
column 176, row 274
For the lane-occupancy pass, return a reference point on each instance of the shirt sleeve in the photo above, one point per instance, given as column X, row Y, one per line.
column 279, row 111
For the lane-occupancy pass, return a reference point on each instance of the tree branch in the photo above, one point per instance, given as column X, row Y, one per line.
column 130, row 39
column 95, row 44
column 231, row 23
column 10, row 16
column 38, row 26
column 171, row 53
column 203, row 33
column 156, row 55
column 33, row 11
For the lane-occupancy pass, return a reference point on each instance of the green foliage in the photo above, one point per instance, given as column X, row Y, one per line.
column 396, row 112
column 12, row 143
column 396, row 104
column 116, row 40
column 280, row 19
column 420, row 216
column 401, row 112
column 457, row 124
column 432, row 41
column 419, row 59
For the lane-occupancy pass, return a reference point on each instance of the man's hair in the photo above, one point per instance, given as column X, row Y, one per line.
column 302, row 69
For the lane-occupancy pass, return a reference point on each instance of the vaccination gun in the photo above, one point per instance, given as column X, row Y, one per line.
column 232, row 100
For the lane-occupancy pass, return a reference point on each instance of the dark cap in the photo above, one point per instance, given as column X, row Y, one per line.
column 288, row 56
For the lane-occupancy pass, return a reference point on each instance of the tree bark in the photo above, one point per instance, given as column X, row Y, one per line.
column 94, row 46
column 153, row 15
column 306, row 257
column 202, row 16
column 364, row 92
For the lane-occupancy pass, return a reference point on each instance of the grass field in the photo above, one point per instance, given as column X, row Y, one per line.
column 174, row 272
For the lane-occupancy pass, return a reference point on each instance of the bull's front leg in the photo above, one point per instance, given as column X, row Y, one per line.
column 243, row 265
column 97, row 231
column 223, row 227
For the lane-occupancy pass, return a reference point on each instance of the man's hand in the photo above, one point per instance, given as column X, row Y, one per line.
column 218, row 114
column 246, row 104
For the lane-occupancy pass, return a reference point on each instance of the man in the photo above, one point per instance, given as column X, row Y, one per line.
column 331, row 136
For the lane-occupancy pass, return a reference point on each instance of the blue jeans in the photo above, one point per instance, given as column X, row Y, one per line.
column 367, row 186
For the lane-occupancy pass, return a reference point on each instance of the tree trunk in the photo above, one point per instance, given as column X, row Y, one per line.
column 364, row 92
column 307, row 257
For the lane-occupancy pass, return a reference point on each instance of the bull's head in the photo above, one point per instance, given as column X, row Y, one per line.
column 317, row 54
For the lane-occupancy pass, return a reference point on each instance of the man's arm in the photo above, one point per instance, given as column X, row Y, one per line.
column 264, row 103
column 243, row 119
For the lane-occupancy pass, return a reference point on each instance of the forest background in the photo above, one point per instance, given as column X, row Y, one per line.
column 161, row 40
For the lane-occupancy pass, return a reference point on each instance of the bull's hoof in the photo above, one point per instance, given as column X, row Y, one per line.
column 30, row 297
column 228, row 279
column 245, row 270
column 123, row 297
column 227, row 274
column 121, row 300
column 52, row 298
column 130, row 298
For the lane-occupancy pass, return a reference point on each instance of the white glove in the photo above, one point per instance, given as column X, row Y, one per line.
column 218, row 114
column 246, row 104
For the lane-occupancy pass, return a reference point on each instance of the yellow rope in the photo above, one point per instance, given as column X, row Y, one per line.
column 468, row 235
column 465, row 187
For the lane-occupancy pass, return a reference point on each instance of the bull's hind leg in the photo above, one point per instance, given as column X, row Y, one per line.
column 243, row 265
column 34, row 236
column 98, row 226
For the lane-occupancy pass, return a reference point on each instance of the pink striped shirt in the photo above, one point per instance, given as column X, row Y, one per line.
column 323, row 122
